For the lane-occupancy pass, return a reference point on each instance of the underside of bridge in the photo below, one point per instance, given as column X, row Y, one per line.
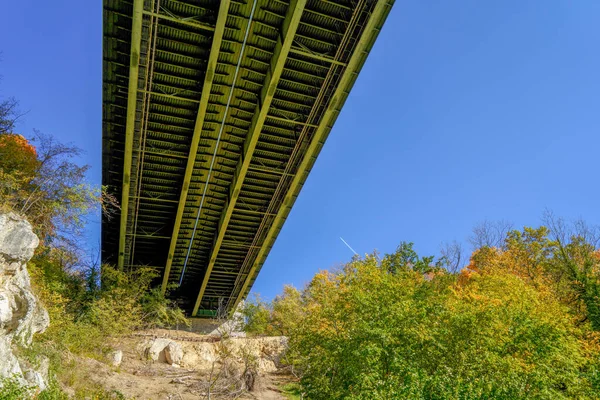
column 213, row 114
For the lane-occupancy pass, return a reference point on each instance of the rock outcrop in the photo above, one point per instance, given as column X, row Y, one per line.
column 265, row 352
column 21, row 315
column 162, row 350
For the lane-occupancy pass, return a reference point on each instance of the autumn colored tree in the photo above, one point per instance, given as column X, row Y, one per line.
column 368, row 333
column 44, row 183
column 517, row 323
column 17, row 155
column 549, row 258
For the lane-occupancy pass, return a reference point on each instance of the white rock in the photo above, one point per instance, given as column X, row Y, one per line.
column 116, row 358
column 36, row 379
column 173, row 353
column 155, row 351
column 163, row 350
column 21, row 315
column 6, row 313
column 17, row 240
column 9, row 365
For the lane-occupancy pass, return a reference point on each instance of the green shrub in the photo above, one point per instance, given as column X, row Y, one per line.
column 517, row 323
column 292, row 391
column 11, row 389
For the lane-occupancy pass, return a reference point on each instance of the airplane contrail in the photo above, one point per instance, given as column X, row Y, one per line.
column 346, row 243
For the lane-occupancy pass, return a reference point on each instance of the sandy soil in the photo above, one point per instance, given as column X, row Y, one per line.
column 139, row 379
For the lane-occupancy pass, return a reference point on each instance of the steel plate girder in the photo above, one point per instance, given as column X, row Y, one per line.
column 282, row 49
column 354, row 66
column 205, row 96
column 134, row 66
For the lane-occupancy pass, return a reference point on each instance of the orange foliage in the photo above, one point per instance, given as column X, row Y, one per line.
column 19, row 140
column 17, row 154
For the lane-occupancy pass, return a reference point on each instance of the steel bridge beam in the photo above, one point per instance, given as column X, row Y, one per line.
column 205, row 96
column 354, row 65
column 282, row 49
column 134, row 68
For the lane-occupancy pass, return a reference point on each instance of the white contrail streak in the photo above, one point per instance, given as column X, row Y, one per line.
column 346, row 243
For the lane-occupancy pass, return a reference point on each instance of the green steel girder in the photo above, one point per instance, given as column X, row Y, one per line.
column 317, row 57
column 182, row 21
column 265, row 150
column 208, row 81
column 290, row 25
column 136, row 41
column 356, row 61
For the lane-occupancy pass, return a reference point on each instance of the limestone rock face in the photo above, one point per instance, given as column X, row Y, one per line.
column 200, row 355
column 21, row 315
column 17, row 240
column 264, row 352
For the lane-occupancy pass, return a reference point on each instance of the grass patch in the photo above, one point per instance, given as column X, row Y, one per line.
column 11, row 389
column 292, row 391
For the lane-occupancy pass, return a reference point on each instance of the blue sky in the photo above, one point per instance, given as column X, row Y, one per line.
column 465, row 111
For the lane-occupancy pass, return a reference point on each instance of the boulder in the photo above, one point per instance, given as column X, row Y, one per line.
column 17, row 240
column 163, row 350
column 155, row 349
column 199, row 355
column 115, row 358
column 173, row 353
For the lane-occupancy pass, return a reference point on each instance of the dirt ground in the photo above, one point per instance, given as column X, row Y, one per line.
column 140, row 379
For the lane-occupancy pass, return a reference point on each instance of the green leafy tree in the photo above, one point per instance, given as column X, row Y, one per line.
column 405, row 259
column 257, row 316
column 498, row 330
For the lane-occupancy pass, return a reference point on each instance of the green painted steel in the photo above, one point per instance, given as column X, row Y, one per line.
column 134, row 64
column 206, row 88
column 162, row 115
column 269, row 88
column 355, row 64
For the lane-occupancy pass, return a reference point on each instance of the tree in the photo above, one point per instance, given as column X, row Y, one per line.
column 387, row 329
column 406, row 259
column 257, row 316
column 280, row 317
column 46, row 185
column 9, row 114
column 18, row 155
column 452, row 256
column 490, row 234
column 287, row 310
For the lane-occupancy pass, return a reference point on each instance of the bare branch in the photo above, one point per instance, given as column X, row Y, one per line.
column 490, row 234
column 452, row 256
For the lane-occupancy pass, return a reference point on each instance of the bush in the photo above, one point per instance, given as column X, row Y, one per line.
column 519, row 322
column 367, row 333
column 11, row 389
column 85, row 314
